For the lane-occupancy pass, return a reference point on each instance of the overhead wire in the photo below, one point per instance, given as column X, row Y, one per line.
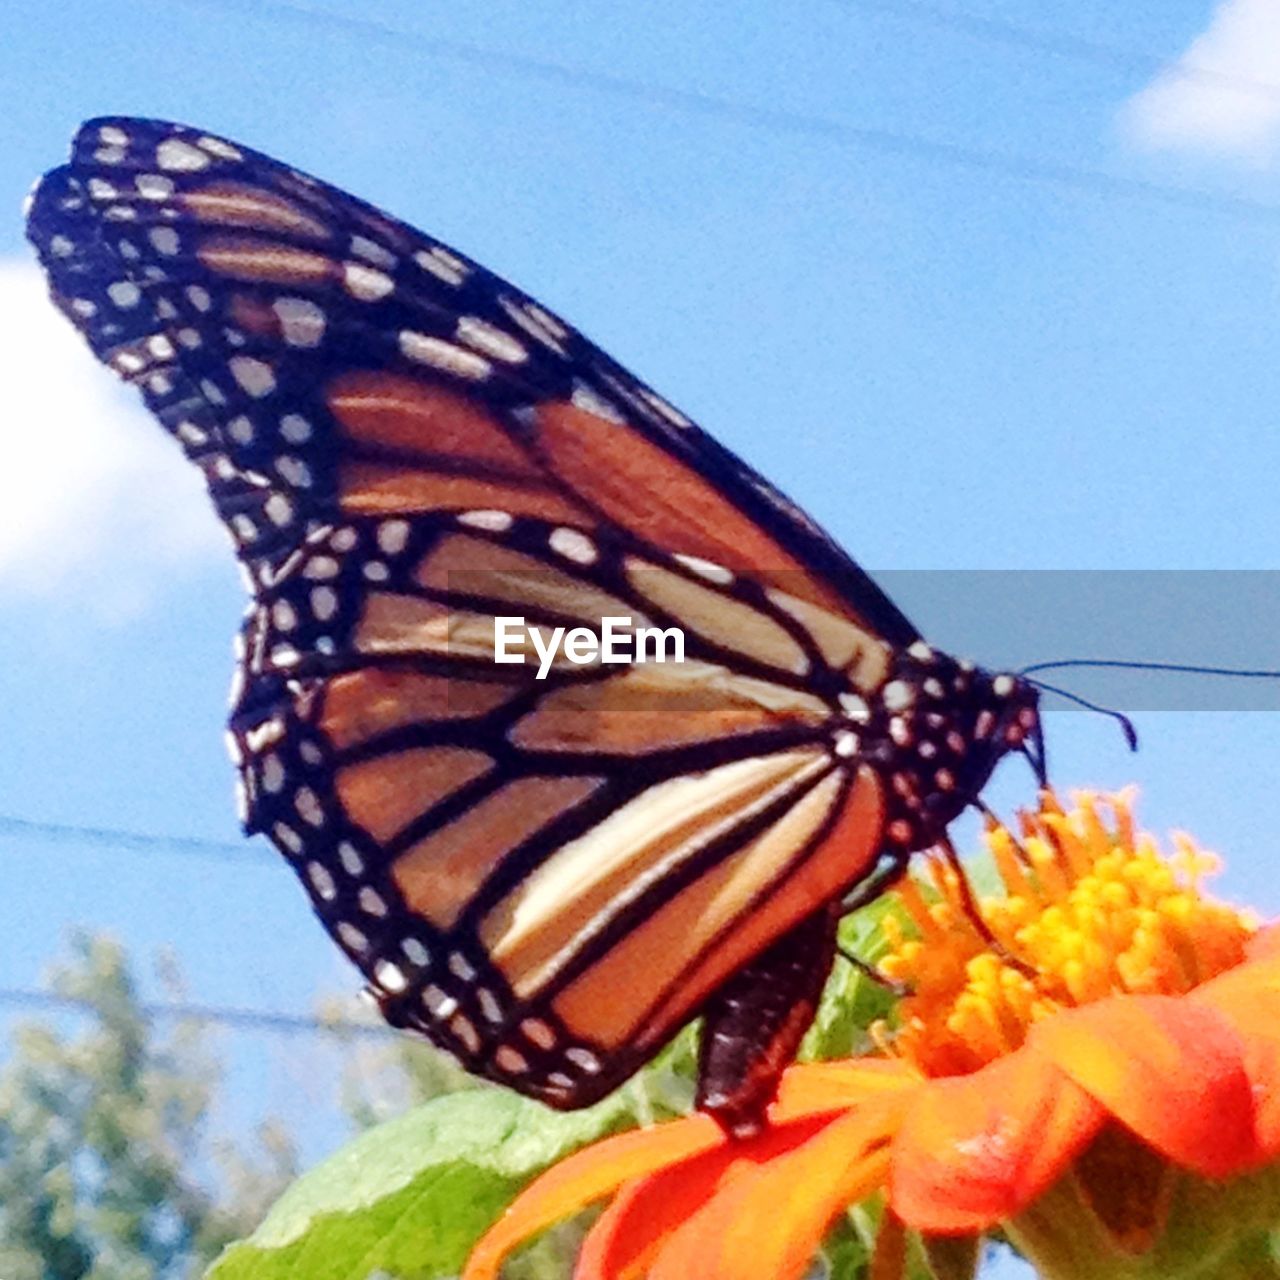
column 136, row 841
column 222, row 1015
column 1060, row 44
column 769, row 119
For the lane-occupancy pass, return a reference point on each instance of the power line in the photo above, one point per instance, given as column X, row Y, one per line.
column 766, row 119
column 134, row 841
column 1062, row 45
column 222, row 1015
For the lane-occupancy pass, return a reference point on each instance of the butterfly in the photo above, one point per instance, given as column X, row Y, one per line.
column 546, row 870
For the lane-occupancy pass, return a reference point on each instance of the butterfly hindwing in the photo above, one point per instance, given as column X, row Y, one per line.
column 576, row 854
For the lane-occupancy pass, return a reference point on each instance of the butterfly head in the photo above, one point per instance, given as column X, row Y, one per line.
column 937, row 730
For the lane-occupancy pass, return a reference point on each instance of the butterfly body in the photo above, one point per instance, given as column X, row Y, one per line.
column 545, row 870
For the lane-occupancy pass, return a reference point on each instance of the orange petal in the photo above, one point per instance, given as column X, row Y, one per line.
column 815, row 1087
column 587, row 1176
column 1266, row 942
column 975, row 1149
column 1248, row 996
column 624, row 1238
column 599, row 1170
column 769, row 1219
column 1170, row 1068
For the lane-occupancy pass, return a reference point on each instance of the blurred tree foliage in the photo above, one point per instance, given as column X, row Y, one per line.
column 108, row 1170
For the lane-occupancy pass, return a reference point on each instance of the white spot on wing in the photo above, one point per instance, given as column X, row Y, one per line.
column 706, row 569
column 178, row 156
column 295, row 428
column 223, row 150
column 445, row 356
column 324, row 603
column 256, row 377
column 487, row 338
column 364, row 283
column 240, row 429
column 573, row 545
column 294, row 471
column 154, row 186
column 124, row 293
column 492, row 521
column 372, row 251
column 301, row 321
column 536, row 323
column 393, row 536
column 279, row 510
column 442, row 264
column 588, row 399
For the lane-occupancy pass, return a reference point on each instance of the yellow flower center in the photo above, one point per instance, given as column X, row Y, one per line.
column 1090, row 909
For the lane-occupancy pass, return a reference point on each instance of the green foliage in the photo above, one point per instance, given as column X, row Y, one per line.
column 408, row 1199
column 101, row 1128
column 852, row 1000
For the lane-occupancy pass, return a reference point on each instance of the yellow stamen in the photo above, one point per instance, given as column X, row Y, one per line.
column 1092, row 908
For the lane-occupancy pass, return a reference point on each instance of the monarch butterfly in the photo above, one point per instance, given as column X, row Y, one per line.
column 545, row 877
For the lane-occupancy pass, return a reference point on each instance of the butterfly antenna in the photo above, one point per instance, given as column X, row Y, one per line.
column 1126, row 725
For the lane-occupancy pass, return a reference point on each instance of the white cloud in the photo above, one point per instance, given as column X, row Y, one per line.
column 96, row 502
column 1222, row 96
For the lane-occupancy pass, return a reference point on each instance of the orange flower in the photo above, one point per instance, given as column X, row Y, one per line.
column 1111, row 1097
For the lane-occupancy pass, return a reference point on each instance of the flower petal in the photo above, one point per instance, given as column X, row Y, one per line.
column 769, row 1219
column 625, row 1237
column 1266, row 942
column 815, row 1087
column 587, row 1176
column 975, row 1149
column 599, row 1170
column 1248, row 996
column 1169, row 1068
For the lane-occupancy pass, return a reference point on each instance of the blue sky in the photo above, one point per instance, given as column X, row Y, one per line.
column 951, row 365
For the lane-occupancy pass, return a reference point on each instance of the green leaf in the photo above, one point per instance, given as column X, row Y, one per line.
column 409, row 1198
column 852, row 1001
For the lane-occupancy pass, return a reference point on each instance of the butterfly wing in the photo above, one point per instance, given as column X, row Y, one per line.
column 547, row 876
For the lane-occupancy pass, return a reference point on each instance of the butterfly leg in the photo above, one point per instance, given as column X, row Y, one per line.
column 974, row 916
column 753, row 1025
column 993, row 820
column 898, row 990
column 892, row 867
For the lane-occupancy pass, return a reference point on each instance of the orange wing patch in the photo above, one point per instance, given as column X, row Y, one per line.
column 233, row 204
column 262, row 262
column 395, row 623
column 656, row 707
column 643, row 488
column 479, row 567
column 425, row 422
column 542, row 924
column 440, row 874
column 362, row 705
column 845, row 855
column 722, row 619
column 672, row 960
column 385, row 794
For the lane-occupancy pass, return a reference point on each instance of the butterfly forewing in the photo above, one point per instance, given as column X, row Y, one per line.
column 547, row 868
